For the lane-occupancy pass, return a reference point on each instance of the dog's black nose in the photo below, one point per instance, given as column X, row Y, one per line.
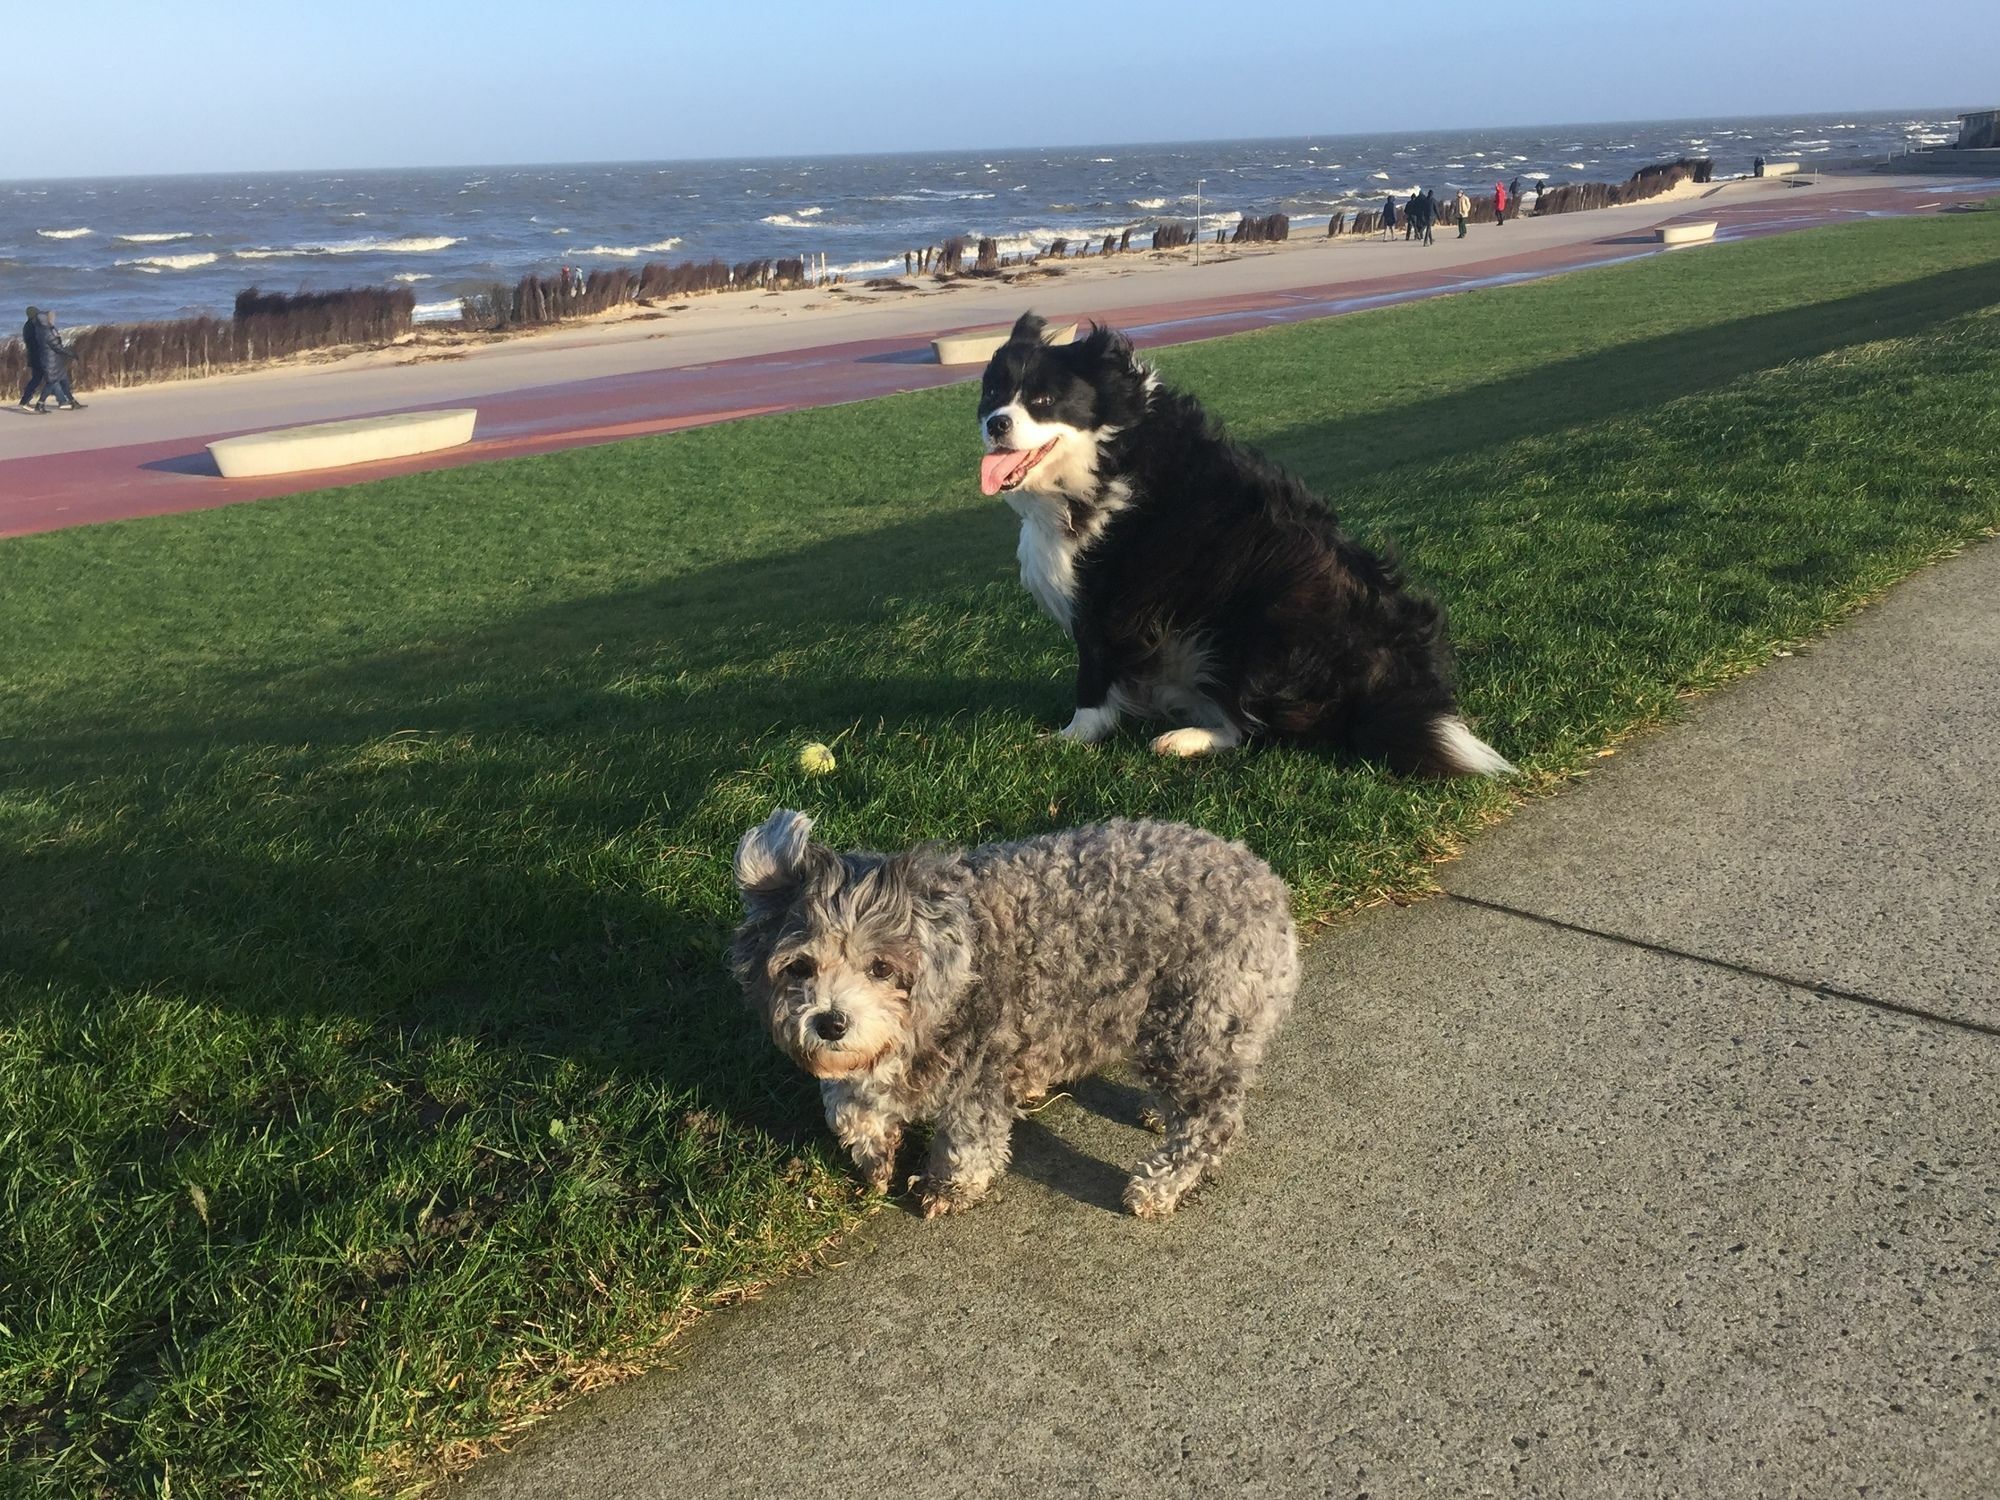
column 998, row 424
column 831, row 1025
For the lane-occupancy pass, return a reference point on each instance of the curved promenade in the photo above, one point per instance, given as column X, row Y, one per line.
column 141, row 452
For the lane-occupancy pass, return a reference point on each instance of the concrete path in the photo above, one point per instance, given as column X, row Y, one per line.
column 1661, row 1157
column 141, row 452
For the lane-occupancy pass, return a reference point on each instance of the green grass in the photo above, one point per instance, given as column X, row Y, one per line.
column 371, row 1075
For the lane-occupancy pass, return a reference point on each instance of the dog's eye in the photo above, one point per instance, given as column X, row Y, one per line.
column 1041, row 403
column 800, row 968
column 882, row 970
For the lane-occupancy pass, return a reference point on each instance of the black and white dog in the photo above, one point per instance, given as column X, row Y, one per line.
column 1203, row 585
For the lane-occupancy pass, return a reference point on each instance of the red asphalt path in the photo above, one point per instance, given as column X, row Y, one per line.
column 46, row 493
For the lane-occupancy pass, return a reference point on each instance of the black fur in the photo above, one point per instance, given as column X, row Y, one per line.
column 1307, row 634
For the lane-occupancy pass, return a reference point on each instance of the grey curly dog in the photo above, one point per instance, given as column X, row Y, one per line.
column 954, row 986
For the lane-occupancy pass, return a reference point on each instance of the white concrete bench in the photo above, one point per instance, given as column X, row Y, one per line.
column 1686, row 234
column 976, row 345
column 332, row 445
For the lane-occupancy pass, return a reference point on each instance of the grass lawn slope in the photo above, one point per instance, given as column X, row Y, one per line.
column 371, row 1076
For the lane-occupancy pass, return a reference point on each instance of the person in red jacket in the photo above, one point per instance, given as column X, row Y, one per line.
column 1499, row 203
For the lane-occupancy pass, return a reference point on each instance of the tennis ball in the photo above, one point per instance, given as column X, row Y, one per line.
column 816, row 760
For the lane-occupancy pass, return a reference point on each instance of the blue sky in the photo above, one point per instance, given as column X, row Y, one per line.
column 218, row 85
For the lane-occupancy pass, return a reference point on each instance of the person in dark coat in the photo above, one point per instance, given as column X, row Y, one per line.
column 1514, row 195
column 1389, row 216
column 31, row 346
column 55, row 368
column 1429, row 204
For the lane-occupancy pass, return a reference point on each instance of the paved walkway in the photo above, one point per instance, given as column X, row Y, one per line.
column 1662, row 1157
column 141, row 452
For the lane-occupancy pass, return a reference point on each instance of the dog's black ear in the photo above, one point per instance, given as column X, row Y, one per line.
column 771, row 860
column 1028, row 329
column 1104, row 346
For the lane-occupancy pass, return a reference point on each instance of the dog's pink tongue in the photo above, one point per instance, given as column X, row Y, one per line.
column 995, row 469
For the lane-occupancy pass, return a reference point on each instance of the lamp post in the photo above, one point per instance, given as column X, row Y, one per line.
column 1197, row 220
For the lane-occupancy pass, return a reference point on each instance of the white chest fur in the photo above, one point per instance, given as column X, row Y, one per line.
column 1047, row 553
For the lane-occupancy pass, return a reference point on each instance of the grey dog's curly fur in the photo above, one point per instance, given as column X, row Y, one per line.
column 955, row 986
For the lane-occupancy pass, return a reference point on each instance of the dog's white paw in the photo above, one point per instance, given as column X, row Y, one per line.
column 1151, row 1197
column 1089, row 725
column 937, row 1198
column 1186, row 742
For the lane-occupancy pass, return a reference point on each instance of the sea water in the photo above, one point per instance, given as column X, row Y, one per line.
column 125, row 249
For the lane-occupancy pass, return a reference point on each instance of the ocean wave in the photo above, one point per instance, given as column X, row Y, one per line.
column 1035, row 241
column 411, row 276
column 628, row 251
column 803, row 219
column 173, row 262
column 154, row 239
column 1379, row 176
column 62, row 234
column 436, row 312
column 1573, row 166
column 1148, row 203
column 934, row 195
column 1536, row 176
column 408, row 245
column 867, row 267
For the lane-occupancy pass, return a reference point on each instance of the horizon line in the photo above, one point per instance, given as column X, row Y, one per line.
column 630, row 161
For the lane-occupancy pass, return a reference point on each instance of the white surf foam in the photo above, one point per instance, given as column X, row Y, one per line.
column 407, row 245
column 62, row 234
column 626, row 252
column 173, row 262
column 867, row 268
column 154, row 239
column 803, row 219
column 411, row 276
column 436, row 312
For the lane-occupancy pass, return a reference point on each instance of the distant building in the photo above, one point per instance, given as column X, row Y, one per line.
column 1979, row 131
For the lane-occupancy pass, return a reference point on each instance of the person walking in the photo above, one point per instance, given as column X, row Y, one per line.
column 1389, row 217
column 1514, row 196
column 1499, row 203
column 1409, row 216
column 1462, row 206
column 31, row 348
column 55, row 356
column 1430, row 203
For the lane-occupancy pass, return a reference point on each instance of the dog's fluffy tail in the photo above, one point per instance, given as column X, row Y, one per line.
column 1457, row 751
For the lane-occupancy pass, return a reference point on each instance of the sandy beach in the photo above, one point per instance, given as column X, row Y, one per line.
column 140, row 451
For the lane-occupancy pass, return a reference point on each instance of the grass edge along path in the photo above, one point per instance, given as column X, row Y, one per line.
column 373, row 1079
